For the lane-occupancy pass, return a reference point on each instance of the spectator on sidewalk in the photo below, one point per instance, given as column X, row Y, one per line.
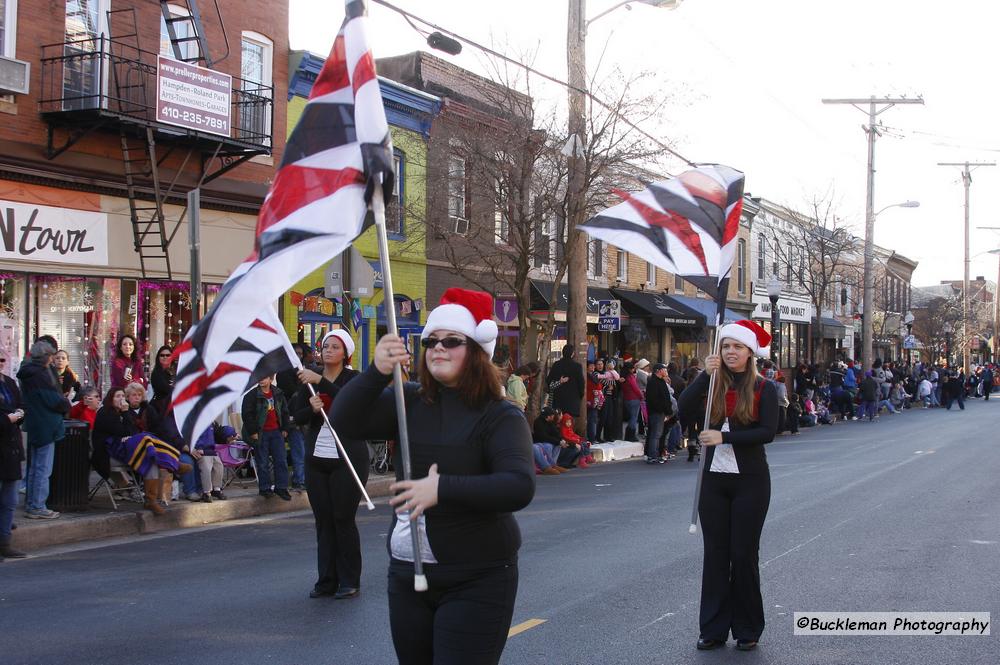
column 546, row 430
column 660, row 407
column 209, row 465
column 517, row 388
column 11, row 456
column 595, row 399
column 954, row 389
column 265, row 427
column 288, row 383
column 44, row 406
column 86, row 409
column 157, row 419
column 69, row 384
column 632, row 398
column 126, row 367
column 793, row 414
column 162, row 376
column 870, row 390
column 566, row 382
column 575, row 440
column 925, row 392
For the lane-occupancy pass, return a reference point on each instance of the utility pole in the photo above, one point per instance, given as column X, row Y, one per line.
column 966, row 182
column 876, row 106
column 576, row 245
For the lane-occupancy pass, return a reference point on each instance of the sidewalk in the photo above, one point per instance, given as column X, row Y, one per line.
column 101, row 521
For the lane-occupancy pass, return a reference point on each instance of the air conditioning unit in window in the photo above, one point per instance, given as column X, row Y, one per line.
column 14, row 76
column 461, row 225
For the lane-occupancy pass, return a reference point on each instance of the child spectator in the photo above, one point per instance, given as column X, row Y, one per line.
column 209, row 464
column 86, row 408
column 574, row 439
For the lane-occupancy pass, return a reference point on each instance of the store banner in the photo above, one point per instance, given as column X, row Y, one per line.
column 55, row 235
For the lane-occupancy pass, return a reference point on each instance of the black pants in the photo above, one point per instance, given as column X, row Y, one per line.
column 334, row 497
column 732, row 511
column 566, row 457
column 462, row 619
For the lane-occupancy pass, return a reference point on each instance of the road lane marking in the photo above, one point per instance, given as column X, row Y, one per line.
column 524, row 625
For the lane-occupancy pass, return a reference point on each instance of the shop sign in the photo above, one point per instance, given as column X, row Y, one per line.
column 55, row 235
column 505, row 310
column 193, row 97
column 790, row 310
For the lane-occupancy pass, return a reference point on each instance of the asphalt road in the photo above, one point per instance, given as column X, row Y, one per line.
column 896, row 515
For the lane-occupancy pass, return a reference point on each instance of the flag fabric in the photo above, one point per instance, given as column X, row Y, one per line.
column 686, row 225
column 339, row 151
column 201, row 395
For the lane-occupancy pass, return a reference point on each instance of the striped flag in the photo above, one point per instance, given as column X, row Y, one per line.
column 686, row 225
column 339, row 151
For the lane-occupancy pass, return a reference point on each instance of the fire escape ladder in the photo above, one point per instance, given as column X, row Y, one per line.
column 149, row 229
column 186, row 32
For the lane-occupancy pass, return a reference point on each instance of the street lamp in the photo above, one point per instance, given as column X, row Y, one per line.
column 868, row 306
column 948, row 329
column 773, row 294
column 661, row 4
column 908, row 320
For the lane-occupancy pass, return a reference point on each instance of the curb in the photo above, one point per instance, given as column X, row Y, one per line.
column 34, row 535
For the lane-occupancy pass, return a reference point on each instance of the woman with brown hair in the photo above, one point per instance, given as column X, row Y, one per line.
column 333, row 494
column 472, row 467
column 736, row 487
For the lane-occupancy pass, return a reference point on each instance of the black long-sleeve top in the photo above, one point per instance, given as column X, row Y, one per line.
column 483, row 455
column 658, row 396
column 311, row 422
column 545, row 431
column 747, row 440
column 108, row 423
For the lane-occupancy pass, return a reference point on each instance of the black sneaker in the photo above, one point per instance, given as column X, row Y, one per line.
column 283, row 494
column 267, row 494
column 217, row 494
column 206, row 498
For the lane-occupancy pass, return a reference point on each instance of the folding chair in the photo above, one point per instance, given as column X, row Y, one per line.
column 235, row 456
column 131, row 490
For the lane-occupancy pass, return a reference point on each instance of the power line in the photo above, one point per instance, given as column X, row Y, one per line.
column 606, row 106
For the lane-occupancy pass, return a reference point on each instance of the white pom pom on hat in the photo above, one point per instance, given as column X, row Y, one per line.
column 467, row 312
column 750, row 334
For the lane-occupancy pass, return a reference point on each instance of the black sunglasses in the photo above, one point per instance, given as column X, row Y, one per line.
column 165, row 355
column 446, row 342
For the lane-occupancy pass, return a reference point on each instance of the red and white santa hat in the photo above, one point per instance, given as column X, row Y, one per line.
column 467, row 312
column 749, row 334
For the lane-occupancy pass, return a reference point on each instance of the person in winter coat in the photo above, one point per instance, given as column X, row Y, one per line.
column 517, row 390
column 265, row 427
column 69, row 384
column 575, row 440
column 333, row 494
column 44, row 406
column 472, row 469
column 86, row 409
column 546, row 431
column 126, row 367
column 595, row 398
column 736, row 484
column 11, row 456
column 162, row 376
column 660, row 407
column 954, row 389
column 870, row 391
column 566, row 382
column 632, row 397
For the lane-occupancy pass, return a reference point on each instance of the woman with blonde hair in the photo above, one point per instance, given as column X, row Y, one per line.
column 736, row 487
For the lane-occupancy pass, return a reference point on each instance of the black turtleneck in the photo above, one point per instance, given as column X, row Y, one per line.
column 484, row 457
column 747, row 439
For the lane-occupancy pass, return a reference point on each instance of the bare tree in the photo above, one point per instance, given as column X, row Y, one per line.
column 815, row 253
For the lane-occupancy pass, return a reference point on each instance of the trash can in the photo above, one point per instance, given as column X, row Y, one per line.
column 69, row 485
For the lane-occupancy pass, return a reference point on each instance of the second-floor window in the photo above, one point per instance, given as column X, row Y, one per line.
column 254, row 101
column 595, row 257
column 622, row 266
column 650, row 274
column 182, row 30
column 394, row 206
column 8, row 27
column 741, row 266
column 456, row 196
column 501, row 223
column 678, row 284
column 761, row 258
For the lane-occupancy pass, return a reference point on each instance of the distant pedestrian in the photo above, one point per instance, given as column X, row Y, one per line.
column 11, row 456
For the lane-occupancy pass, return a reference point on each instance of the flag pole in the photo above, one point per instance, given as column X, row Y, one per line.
column 343, row 452
column 693, row 529
column 389, row 303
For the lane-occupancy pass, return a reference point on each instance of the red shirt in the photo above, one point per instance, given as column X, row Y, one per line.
column 81, row 412
column 271, row 419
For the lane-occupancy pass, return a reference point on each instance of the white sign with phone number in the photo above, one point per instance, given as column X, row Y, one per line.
column 194, row 97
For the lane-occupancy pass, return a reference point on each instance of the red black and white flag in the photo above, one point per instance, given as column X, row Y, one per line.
column 339, row 151
column 685, row 225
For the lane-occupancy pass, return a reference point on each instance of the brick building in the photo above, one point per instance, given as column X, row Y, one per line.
column 100, row 148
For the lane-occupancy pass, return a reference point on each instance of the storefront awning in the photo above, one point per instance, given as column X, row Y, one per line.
column 658, row 308
column 541, row 291
column 829, row 328
column 706, row 308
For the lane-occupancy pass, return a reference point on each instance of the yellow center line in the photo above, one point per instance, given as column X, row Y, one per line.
column 525, row 625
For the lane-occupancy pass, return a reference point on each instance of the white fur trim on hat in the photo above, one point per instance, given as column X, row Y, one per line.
column 750, row 335
column 459, row 319
column 344, row 337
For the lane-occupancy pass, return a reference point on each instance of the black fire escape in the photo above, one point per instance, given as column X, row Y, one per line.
column 109, row 83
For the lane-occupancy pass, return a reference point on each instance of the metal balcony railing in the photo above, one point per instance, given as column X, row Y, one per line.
column 110, row 79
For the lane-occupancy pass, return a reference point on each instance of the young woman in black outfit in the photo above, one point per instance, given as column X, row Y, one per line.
column 333, row 494
column 736, row 487
column 471, row 456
